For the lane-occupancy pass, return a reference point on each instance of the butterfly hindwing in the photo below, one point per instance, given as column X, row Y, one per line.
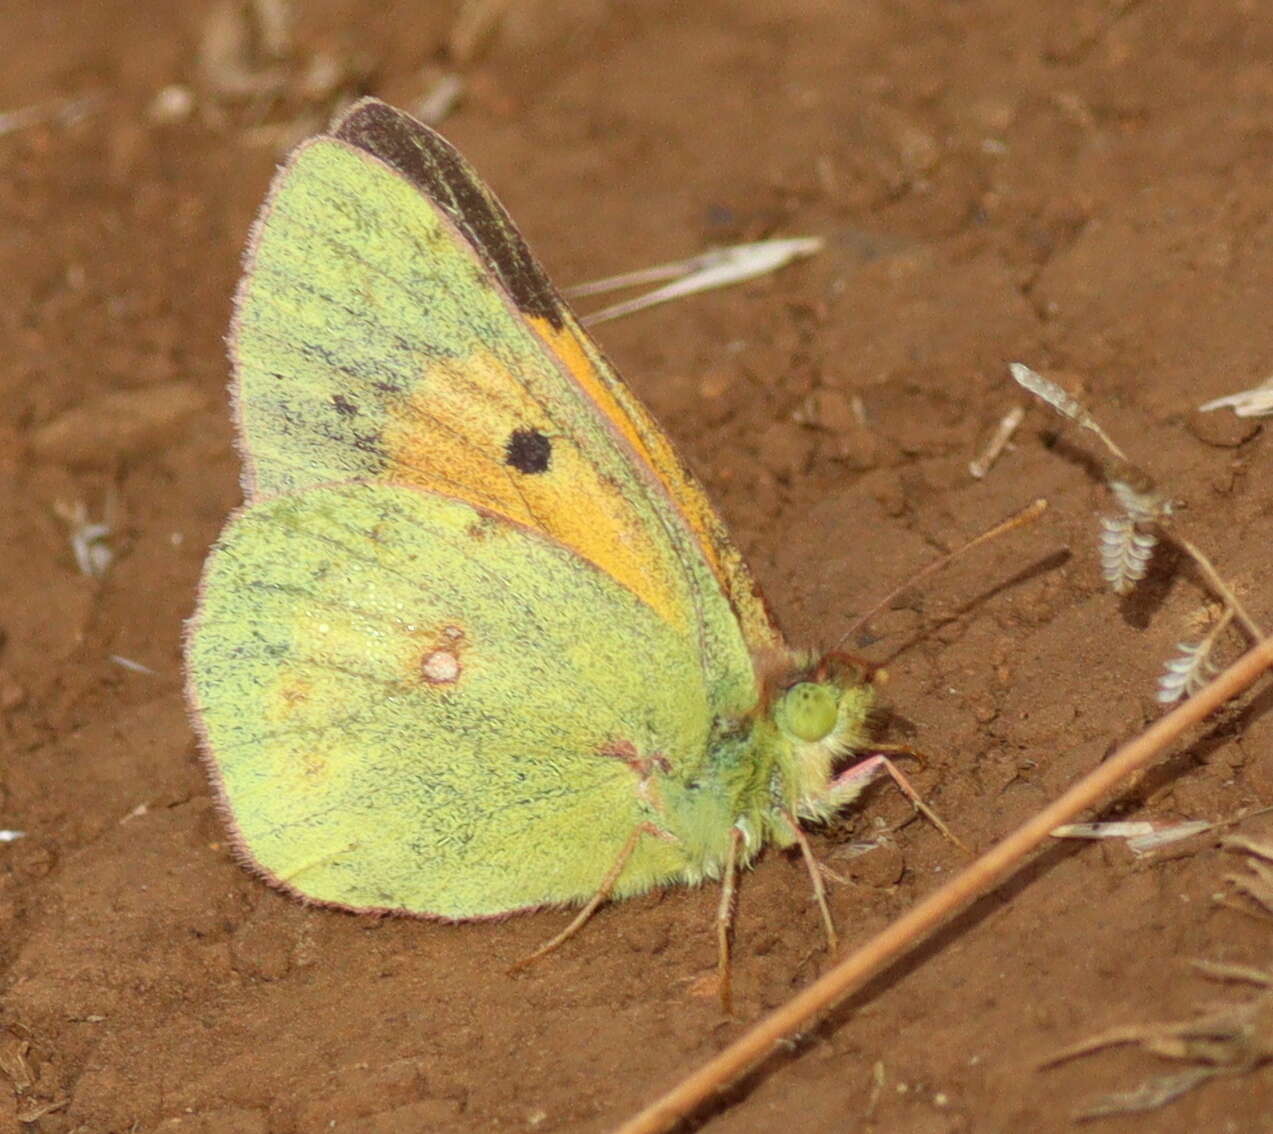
column 410, row 703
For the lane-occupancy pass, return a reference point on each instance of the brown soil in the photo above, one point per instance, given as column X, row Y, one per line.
column 1082, row 186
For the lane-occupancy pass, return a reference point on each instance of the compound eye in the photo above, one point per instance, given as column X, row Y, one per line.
column 808, row 711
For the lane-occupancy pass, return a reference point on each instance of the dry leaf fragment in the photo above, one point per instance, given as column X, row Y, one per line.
column 717, row 267
column 133, row 666
column 1165, row 836
column 1118, row 830
column 1255, row 402
column 1142, row 836
column 33, row 1109
column 1062, row 402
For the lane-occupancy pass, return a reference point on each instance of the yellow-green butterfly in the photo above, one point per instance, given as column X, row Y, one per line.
column 477, row 641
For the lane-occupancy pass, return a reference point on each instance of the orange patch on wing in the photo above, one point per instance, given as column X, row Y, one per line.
column 660, row 457
column 451, row 436
column 565, row 345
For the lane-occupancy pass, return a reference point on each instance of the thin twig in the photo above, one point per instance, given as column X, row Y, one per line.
column 1008, row 425
column 1026, row 515
column 1221, row 588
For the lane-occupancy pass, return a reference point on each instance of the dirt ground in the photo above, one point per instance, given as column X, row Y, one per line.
column 1081, row 186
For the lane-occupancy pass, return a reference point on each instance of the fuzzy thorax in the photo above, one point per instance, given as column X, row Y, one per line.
column 772, row 769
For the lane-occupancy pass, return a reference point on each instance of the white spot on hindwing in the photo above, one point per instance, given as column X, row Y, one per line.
column 441, row 659
column 440, row 667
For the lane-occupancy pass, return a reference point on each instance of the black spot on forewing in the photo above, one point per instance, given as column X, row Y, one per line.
column 343, row 405
column 436, row 168
column 528, row 451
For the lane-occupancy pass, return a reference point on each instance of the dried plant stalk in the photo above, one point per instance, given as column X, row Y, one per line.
column 1128, row 539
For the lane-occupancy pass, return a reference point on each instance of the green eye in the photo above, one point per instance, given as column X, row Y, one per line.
column 808, row 711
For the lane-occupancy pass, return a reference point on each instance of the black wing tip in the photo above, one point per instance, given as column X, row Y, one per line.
column 438, row 170
column 369, row 113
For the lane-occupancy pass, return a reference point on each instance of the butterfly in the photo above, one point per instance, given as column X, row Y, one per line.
column 477, row 641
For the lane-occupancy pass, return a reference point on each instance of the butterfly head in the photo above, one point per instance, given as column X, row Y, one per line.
column 820, row 714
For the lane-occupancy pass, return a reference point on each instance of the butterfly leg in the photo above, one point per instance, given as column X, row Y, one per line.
column 815, row 875
column 594, row 903
column 725, row 922
column 852, row 780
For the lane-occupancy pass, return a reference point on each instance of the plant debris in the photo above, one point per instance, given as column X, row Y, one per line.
column 1234, row 1039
